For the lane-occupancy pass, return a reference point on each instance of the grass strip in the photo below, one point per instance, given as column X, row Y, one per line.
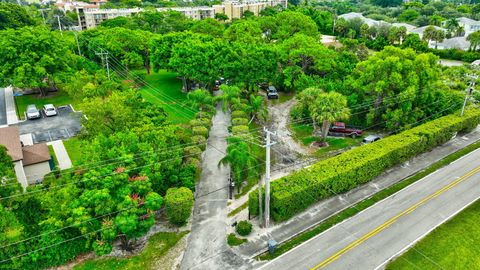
column 233, row 240
column 351, row 211
column 238, row 209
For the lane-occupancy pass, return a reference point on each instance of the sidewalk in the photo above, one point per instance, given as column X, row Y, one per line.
column 314, row 215
column 12, row 117
column 63, row 159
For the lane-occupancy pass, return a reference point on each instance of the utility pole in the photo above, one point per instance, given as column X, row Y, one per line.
column 267, row 175
column 469, row 91
column 104, row 55
column 59, row 24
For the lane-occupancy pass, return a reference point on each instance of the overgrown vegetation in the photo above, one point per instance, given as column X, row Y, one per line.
column 233, row 240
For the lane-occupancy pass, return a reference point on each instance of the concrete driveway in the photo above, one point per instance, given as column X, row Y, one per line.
column 63, row 126
column 3, row 110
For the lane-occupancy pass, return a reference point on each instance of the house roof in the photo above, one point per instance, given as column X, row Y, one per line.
column 10, row 138
column 476, row 62
column 466, row 20
column 408, row 26
column 420, row 30
column 34, row 154
column 455, row 43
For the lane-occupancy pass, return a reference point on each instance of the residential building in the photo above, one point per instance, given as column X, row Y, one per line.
column 372, row 22
column 421, row 30
column 91, row 17
column 31, row 162
column 452, row 43
column 468, row 25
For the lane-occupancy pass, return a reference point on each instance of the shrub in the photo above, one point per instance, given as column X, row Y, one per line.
column 200, row 141
column 239, row 114
column 297, row 191
column 193, row 161
column 240, row 121
column 233, row 240
column 244, row 228
column 240, row 130
column 204, row 122
column 193, row 151
column 199, row 130
column 239, row 106
column 178, row 204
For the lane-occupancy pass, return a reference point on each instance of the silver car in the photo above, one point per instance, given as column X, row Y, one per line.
column 33, row 112
column 49, row 110
column 371, row 139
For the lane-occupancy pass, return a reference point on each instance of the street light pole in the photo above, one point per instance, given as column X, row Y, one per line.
column 469, row 93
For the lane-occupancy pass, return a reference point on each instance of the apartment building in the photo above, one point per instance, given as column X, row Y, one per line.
column 235, row 9
column 91, row 17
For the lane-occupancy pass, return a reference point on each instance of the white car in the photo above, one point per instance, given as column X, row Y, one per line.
column 49, row 110
column 32, row 112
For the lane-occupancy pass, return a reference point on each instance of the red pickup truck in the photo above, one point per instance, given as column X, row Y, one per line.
column 339, row 129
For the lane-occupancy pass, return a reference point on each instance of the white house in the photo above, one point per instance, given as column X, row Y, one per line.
column 31, row 162
column 452, row 43
column 469, row 25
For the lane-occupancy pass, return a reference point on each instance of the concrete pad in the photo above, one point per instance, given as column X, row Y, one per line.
column 12, row 117
column 63, row 159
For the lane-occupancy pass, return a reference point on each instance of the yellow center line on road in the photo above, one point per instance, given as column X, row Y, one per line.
column 391, row 221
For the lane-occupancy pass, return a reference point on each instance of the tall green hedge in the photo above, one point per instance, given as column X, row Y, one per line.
column 297, row 191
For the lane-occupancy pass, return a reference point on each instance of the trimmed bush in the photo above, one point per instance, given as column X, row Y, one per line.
column 239, row 121
column 240, row 130
column 239, row 114
column 297, row 191
column 193, row 161
column 199, row 130
column 200, row 141
column 193, row 151
column 178, row 204
column 244, row 228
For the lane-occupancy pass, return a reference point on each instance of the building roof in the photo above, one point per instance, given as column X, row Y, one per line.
column 406, row 25
column 34, row 154
column 466, row 20
column 455, row 43
column 10, row 138
column 420, row 30
column 476, row 62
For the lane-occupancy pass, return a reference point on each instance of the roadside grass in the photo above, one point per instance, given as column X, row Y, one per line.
column 157, row 246
column 52, row 154
column 74, row 147
column 233, row 240
column 453, row 245
column 168, row 93
column 238, row 209
column 56, row 98
column 351, row 211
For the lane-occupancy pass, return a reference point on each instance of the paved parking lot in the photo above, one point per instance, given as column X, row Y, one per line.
column 63, row 126
column 3, row 111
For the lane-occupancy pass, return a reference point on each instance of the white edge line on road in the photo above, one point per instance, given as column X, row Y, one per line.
column 425, row 234
column 348, row 219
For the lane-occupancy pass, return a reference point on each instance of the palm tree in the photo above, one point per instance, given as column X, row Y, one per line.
column 256, row 108
column 306, row 99
column 452, row 25
column 200, row 98
column 240, row 161
column 328, row 108
column 474, row 39
column 230, row 94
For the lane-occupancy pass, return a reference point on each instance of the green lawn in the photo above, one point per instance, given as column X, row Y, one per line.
column 167, row 91
column 52, row 153
column 158, row 245
column 74, row 148
column 233, row 240
column 56, row 98
column 453, row 245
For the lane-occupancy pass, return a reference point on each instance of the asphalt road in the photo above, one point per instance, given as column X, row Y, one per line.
column 3, row 110
column 374, row 236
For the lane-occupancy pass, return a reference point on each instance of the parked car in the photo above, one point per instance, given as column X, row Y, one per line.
column 272, row 92
column 340, row 129
column 49, row 110
column 371, row 139
column 33, row 112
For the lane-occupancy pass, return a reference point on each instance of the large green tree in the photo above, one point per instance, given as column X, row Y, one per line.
column 33, row 57
column 15, row 16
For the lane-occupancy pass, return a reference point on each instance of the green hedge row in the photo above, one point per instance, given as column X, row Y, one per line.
column 294, row 193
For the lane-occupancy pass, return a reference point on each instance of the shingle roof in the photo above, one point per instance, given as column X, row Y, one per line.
column 34, row 154
column 466, row 20
column 10, row 138
column 455, row 43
